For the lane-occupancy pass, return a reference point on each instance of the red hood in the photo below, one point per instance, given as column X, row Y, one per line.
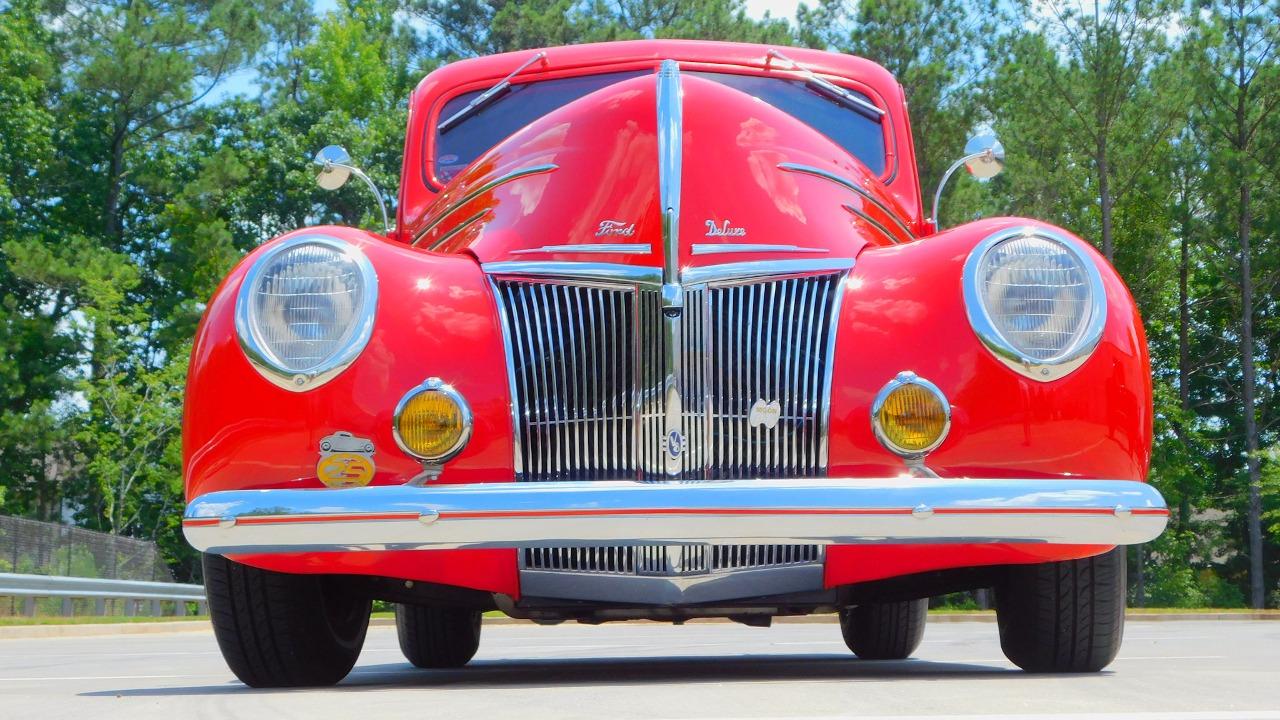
column 755, row 186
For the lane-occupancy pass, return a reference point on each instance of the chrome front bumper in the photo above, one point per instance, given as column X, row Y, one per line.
column 826, row 511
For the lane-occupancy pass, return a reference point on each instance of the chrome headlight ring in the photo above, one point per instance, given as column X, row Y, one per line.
column 436, row 385
column 261, row 351
column 906, row 377
column 1086, row 334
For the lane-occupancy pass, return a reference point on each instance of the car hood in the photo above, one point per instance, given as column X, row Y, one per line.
column 582, row 184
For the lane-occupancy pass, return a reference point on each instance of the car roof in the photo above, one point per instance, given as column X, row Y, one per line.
column 706, row 52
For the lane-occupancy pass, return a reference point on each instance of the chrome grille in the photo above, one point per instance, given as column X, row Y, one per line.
column 771, row 342
column 572, row 353
column 667, row 560
column 586, row 368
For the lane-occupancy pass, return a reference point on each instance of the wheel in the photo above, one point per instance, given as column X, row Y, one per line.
column 1063, row 617
column 283, row 630
column 435, row 637
column 884, row 631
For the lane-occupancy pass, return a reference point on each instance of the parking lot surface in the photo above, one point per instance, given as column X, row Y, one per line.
column 1173, row 670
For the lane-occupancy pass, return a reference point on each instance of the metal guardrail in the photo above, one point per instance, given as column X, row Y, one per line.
column 132, row 592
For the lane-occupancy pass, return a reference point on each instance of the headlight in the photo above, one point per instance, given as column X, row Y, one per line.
column 305, row 310
column 432, row 422
column 1036, row 300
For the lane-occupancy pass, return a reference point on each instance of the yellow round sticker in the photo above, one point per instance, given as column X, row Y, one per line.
column 344, row 469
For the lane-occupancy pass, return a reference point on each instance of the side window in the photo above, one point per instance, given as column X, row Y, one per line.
column 459, row 145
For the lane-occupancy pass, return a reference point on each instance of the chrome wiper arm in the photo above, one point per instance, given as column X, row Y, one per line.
column 831, row 90
column 487, row 97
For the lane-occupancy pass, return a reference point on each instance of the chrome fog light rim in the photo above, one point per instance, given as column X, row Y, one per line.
column 256, row 350
column 906, row 377
column 434, row 384
column 1071, row 358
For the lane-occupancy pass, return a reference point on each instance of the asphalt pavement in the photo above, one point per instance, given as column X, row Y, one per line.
column 1166, row 670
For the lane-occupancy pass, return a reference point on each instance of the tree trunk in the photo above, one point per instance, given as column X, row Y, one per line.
column 1104, row 198
column 115, row 179
column 1256, row 584
column 1184, row 347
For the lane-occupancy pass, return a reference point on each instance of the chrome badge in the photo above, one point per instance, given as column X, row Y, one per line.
column 345, row 461
column 764, row 413
column 675, row 443
column 724, row 229
column 615, row 228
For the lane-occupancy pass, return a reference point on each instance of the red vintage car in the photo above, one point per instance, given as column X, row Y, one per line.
column 663, row 331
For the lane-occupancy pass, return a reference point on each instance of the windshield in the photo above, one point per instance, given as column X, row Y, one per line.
column 456, row 147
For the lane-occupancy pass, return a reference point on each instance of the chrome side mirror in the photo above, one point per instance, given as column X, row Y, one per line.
column 983, row 157
column 336, row 169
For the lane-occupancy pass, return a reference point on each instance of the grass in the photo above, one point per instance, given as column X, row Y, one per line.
column 1193, row 611
column 91, row 620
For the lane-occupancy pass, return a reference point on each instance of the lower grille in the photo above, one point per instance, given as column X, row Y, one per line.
column 667, row 560
column 586, row 368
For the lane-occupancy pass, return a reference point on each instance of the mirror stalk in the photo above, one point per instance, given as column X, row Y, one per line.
column 382, row 204
column 984, row 156
column 336, row 168
column 937, row 195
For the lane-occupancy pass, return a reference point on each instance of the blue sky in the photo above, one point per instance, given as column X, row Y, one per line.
column 243, row 83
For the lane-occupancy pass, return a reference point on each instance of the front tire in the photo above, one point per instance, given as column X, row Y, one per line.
column 283, row 630
column 884, row 631
column 435, row 637
column 1063, row 617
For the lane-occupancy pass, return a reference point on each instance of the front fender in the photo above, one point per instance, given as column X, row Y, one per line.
column 904, row 310
column 435, row 317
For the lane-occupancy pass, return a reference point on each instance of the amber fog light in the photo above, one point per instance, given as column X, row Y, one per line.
column 432, row 422
column 910, row 415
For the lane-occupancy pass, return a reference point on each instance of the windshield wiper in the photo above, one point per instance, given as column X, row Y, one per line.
column 831, row 90
column 487, row 97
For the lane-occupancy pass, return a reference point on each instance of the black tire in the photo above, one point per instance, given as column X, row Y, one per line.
column 283, row 630
column 435, row 637
column 884, row 631
column 1063, row 617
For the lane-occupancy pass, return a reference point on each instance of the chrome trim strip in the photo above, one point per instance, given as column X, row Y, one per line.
column 517, row 454
column 848, row 184
column 824, row 417
column 433, row 384
column 1040, row 370
column 873, row 223
column 723, row 248
column 670, row 156
column 614, row 248
column 761, row 269
column 256, row 351
column 795, row 510
column 482, row 189
column 602, row 272
column 453, row 231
